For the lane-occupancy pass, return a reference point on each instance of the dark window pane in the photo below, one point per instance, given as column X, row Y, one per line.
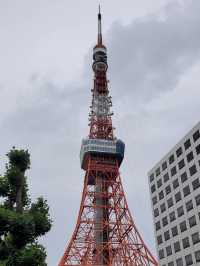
column 177, row 246
column 196, row 135
column 174, row 231
column 170, row 202
column 186, row 191
column 159, row 239
column 179, row 262
column 197, row 255
column 183, row 177
column 178, row 196
column 161, row 195
column 193, row 170
column 181, row 164
column 161, row 254
column 190, row 156
column 165, row 221
column 156, row 212
column 168, row 189
column 197, row 198
column 179, row 152
column 164, row 166
column 183, row 226
column 159, row 183
column 192, row 221
column 162, row 207
column 171, row 159
column 154, row 200
column 172, row 216
column 173, row 171
column 175, row 183
column 153, row 188
column 198, row 149
column 158, row 226
column 169, row 250
column 188, row 260
column 180, row 211
column 195, row 238
column 196, row 184
column 187, row 144
column 166, row 177
column 189, row 205
column 158, row 171
column 166, row 235
column 186, row 242
column 151, row 178
column 171, row 263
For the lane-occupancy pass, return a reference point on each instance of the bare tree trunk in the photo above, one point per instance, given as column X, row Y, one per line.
column 19, row 202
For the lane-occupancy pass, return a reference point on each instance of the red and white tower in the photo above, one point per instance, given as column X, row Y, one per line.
column 105, row 233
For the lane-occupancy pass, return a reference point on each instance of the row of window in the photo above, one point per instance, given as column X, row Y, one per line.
column 174, row 231
column 186, row 242
column 179, row 152
column 160, row 182
column 177, row 197
column 188, row 260
column 180, row 211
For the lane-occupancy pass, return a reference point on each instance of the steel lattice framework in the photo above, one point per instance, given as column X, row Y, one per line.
column 105, row 233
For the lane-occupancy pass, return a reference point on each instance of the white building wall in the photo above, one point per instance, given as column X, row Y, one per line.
column 175, row 198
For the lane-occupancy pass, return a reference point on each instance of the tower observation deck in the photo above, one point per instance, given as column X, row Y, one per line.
column 105, row 233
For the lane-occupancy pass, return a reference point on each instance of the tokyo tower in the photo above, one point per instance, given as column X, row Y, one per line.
column 105, row 233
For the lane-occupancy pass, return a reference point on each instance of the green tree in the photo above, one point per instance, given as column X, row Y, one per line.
column 21, row 222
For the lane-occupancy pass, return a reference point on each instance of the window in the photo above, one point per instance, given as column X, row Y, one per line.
column 159, row 239
column 180, row 211
column 174, row 231
column 158, row 226
column 181, row 164
column 179, row 262
column 165, row 221
column 171, row 159
column 187, row 144
column 151, row 178
column 161, row 195
column 168, row 189
column 171, row 263
column 183, row 177
column 166, row 235
column 172, row 216
column 169, row 250
column 189, row 205
column 173, row 171
column 159, row 183
column 161, row 254
column 193, row 170
column 198, row 149
column 192, row 221
column 195, row 238
column 170, row 202
column 166, row 177
column 186, row 191
column 177, row 246
column 175, row 183
column 186, row 242
column 196, row 184
column 190, row 156
column 164, row 166
column 188, row 260
column 183, row 226
column 196, row 135
column 179, row 152
column 197, row 256
column 153, row 188
column 154, row 200
column 178, row 196
column 158, row 171
column 162, row 207
column 197, row 198
column 156, row 212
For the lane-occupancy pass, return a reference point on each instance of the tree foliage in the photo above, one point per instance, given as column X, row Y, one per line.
column 21, row 222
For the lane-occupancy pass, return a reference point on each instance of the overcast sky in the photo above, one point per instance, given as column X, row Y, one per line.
column 46, row 77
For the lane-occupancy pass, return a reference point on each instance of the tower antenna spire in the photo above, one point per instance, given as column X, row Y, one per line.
column 99, row 27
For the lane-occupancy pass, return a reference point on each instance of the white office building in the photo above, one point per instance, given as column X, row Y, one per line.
column 174, row 184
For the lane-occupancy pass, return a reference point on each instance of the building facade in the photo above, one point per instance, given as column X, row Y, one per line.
column 174, row 184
